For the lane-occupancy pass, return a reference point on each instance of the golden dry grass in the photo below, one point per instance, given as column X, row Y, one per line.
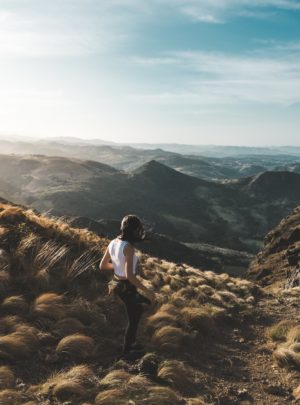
column 51, row 254
column 76, row 346
column 9, row 324
column 7, row 377
column 15, row 305
column 293, row 335
column 199, row 318
column 279, row 331
column 5, row 281
column 160, row 319
column 195, row 401
column 178, row 375
column 113, row 396
column 73, row 383
column 67, row 326
column 20, row 344
column 162, row 395
column 168, row 338
column 31, row 403
column 10, row 397
column 287, row 358
column 287, row 353
column 296, row 392
column 87, row 312
column 62, row 296
column 116, row 378
column 122, row 387
column 49, row 305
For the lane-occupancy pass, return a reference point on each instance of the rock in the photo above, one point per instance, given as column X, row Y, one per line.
column 277, row 389
column 243, row 394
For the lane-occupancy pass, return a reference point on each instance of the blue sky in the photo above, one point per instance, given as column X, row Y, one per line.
column 186, row 71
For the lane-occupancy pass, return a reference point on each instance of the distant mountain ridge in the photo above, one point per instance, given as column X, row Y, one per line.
column 187, row 209
column 218, row 167
column 164, row 247
column 275, row 184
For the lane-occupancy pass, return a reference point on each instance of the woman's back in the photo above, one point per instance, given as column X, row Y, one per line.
column 116, row 251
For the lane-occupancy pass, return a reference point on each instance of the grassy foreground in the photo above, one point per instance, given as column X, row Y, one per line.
column 60, row 332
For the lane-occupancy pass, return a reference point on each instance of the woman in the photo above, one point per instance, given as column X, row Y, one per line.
column 121, row 253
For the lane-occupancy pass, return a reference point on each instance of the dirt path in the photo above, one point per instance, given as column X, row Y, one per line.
column 239, row 368
column 248, row 374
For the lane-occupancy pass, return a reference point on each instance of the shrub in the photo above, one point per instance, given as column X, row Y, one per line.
column 177, row 374
column 5, row 281
column 7, row 377
column 10, row 397
column 161, row 395
column 67, row 326
column 68, row 389
column 160, row 319
column 69, row 384
column 116, row 378
column 9, row 324
column 49, row 305
column 20, row 344
column 168, row 337
column 15, row 305
column 76, row 346
column 287, row 358
column 113, row 396
column 293, row 334
column 199, row 318
column 279, row 331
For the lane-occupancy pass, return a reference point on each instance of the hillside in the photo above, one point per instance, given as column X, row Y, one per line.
column 275, row 185
column 201, row 255
column 277, row 267
column 208, row 340
column 278, row 261
column 208, row 163
column 234, row 215
column 53, row 303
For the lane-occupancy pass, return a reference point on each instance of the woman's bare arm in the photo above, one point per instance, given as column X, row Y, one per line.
column 128, row 252
column 105, row 263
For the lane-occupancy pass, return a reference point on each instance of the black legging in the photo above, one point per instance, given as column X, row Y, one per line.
column 133, row 301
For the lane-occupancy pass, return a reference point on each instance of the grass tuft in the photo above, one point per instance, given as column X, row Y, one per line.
column 76, row 346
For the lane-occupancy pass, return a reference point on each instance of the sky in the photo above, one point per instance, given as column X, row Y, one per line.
column 223, row 72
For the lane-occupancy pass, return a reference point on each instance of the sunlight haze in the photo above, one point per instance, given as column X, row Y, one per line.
column 157, row 71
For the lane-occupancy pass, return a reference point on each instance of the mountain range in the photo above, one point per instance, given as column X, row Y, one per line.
column 217, row 167
column 234, row 215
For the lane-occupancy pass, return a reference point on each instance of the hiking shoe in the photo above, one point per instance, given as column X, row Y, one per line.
column 136, row 346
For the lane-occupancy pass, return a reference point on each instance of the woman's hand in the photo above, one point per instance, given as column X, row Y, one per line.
column 151, row 296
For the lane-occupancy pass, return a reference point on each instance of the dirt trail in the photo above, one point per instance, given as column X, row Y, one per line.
column 239, row 367
column 248, row 374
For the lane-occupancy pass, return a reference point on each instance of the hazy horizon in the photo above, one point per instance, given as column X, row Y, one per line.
column 11, row 137
column 162, row 71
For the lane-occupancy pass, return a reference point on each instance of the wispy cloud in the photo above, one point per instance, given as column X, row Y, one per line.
column 75, row 31
column 219, row 11
column 78, row 28
column 214, row 78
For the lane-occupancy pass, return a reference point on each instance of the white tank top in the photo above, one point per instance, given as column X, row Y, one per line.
column 116, row 251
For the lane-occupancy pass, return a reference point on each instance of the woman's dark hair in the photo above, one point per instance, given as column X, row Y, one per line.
column 129, row 225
